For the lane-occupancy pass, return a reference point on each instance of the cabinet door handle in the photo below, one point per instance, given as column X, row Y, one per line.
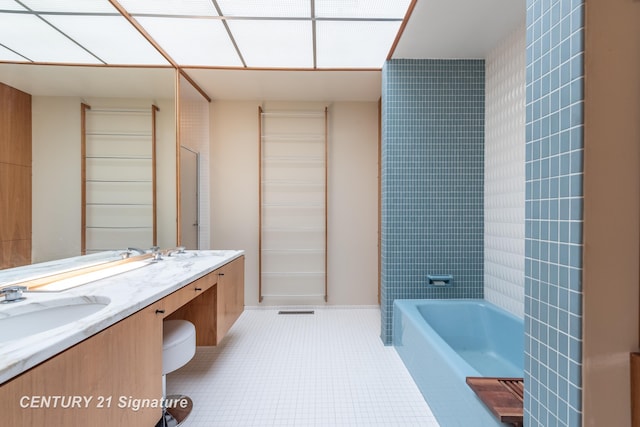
column 220, row 274
column 198, row 289
column 159, row 311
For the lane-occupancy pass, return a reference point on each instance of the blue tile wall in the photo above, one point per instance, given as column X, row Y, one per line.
column 432, row 180
column 553, row 213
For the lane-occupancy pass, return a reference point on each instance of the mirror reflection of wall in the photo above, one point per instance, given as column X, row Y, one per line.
column 57, row 172
column 15, row 177
column 48, row 200
column 189, row 196
column 118, row 177
column 193, row 113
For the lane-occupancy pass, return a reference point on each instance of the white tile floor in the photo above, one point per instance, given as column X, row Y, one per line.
column 325, row 369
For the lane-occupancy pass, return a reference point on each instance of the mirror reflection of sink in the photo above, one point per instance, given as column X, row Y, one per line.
column 92, row 276
column 34, row 317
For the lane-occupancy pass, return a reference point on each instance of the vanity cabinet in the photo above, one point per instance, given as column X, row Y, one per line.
column 102, row 380
column 230, row 296
column 214, row 310
column 94, row 381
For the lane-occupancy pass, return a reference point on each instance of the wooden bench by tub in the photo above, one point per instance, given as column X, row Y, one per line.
column 503, row 396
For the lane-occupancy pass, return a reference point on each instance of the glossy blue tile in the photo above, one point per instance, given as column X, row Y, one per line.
column 432, row 179
column 553, row 251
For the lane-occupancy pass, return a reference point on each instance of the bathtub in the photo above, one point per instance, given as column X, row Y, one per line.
column 441, row 342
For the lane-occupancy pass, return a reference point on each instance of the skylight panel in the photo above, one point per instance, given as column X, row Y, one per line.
column 7, row 55
column 30, row 36
column 10, row 5
column 77, row 6
column 274, row 44
column 266, row 8
column 170, row 7
column 193, row 41
column 123, row 45
column 358, row 44
column 369, row 9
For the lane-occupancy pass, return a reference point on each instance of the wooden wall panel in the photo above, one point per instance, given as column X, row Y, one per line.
column 15, row 126
column 15, row 177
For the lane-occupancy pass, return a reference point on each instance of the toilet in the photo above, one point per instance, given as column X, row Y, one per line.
column 178, row 347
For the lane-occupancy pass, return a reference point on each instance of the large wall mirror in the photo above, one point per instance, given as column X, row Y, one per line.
column 57, row 93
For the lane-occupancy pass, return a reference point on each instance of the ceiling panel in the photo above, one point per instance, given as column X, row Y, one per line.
column 170, row 7
column 289, row 85
column 112, row 38
column 278, row 44
column 33, row 38
column 358, row 44
column 10, row 5
column 250, row 33
column 193, row 41
column 458, row 29
column 87, row 82
column 7, row 55
column 380, row 9
column 266, row 8
column 75, row 6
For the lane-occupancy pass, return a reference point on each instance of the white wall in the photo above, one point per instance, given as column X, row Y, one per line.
column 504, row 198
column 56, row 203
column 352, row 195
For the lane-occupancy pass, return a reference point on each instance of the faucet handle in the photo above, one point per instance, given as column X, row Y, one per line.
column 12, row 293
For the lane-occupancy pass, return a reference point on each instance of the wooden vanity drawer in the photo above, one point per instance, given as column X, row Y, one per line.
column 179, row 298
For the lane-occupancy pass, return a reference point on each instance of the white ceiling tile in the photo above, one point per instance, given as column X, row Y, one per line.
column 279, row 44
column 7, row 55
column 111, row 38
column 170, row 7
column 395, row 9
column 350, row 33
column 354, row 44
column 30, row 36
column 77, row 6
column 10, row 5
column 193, row 41
column 266, row 8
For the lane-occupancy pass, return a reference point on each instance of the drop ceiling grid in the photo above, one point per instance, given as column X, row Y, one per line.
column 209, row 33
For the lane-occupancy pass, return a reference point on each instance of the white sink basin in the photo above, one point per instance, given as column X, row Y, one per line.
column 34, row 317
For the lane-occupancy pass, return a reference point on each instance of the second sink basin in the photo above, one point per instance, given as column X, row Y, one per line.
column 34, row 317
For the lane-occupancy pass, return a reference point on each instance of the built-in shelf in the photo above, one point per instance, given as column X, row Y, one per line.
column 120, row 157
column 126, row 181
column 121, row 134
column 293, row 205
column 118, row 178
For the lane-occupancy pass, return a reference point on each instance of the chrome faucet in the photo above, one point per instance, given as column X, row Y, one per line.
column 12, row 294
column 177, row 250
column 129, row 251
column 140, row 251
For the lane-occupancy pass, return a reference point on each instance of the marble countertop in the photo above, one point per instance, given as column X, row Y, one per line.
column 128, row 293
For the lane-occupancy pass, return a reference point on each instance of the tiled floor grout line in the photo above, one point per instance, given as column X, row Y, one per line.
column 325, row 369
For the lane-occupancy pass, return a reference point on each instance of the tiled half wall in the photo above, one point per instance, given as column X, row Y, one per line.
column 554, row 213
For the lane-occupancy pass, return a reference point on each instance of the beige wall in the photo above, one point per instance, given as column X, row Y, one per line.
column 352, row 197
column 57, row 177
column 611, row 208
